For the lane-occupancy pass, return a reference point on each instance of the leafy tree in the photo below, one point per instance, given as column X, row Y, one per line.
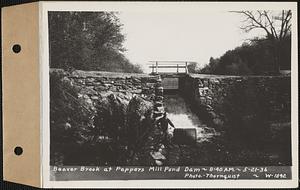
column 87, row 41
column 193, row 67
column 255, row 58
column 261, row 56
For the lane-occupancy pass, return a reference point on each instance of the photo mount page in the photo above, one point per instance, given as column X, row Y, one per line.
column 169, row 94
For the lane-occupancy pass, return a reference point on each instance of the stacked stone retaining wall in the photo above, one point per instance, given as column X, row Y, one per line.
column 252, row 110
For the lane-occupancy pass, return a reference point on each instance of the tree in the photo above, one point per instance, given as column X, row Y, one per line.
column 277, row 26
column 255, row 58
column 87, row 41
column 193, row 67
column 211, row 67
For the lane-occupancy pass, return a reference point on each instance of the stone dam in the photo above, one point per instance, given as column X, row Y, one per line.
column 239, row 120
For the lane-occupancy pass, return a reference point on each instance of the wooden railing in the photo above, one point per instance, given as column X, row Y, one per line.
column 155, row 65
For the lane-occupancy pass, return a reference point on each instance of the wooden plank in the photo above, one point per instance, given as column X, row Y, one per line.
column 166, row 66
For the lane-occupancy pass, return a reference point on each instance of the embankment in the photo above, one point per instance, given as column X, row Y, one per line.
column 99, row 118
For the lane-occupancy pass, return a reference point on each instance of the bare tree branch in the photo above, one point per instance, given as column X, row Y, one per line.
column 282, row 24
column 274, row 33
column 266, row 21
column 276, row 24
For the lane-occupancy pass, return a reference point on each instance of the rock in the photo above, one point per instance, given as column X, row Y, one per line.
column 159, row 98
column 159, row 163
column 105, row 93
column 160, row 109
column 145, row 89
column 107, row 85
column 67, row 126
column 212, row 114
column 139, row 91
column 138, row 109
column 94, row 97
column 215, row 81
column 202, row 100
column 149, row 79
column 202, row 91
column 157, row 114
column 118, row 84
column 158, row 103
column 205, row 83
column 209, row 130
column 89, row 83
column 136, row 80
column 101, row 88
column 200, row 84
column 150, row 84
column 89, row 101
column 113, row 88
column 157, row 155
column 208, row 101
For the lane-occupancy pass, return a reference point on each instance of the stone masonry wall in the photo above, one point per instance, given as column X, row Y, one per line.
column 118, row 106
column 220, row 96
column 255, row 110
column 248, row 108
column 98, row 85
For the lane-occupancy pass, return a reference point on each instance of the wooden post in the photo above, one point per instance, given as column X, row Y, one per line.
column 186, row 68
column 156, row 67
column 177, row 68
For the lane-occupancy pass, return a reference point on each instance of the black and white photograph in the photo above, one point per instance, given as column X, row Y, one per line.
column 171, row 94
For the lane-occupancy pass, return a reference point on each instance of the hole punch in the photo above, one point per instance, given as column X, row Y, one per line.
column 16, row 48
column 18, row 151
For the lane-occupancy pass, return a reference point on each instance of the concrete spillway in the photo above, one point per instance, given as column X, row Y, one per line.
column 182, row 117
column 179, row 113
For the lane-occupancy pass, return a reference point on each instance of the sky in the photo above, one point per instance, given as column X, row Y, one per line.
column 181, row 36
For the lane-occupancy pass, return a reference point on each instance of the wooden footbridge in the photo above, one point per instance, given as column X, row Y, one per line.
column 170, row 72
column 178, row 65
